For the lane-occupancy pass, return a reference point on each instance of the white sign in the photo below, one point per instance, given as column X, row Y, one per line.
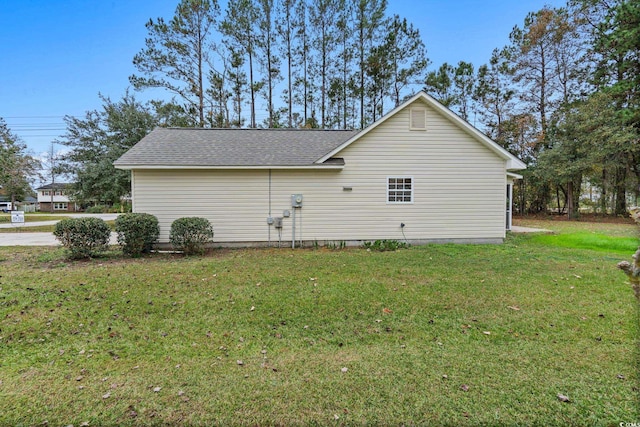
column 17, row 217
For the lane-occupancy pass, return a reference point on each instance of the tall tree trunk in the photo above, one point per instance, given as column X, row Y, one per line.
column 289, row 77
column 570, row 207
column 200, row 80
column 252, row 89
column 603, row 194
column 620, row 192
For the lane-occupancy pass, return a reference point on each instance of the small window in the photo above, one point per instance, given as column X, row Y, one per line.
column 400, row 189
column 418, row 118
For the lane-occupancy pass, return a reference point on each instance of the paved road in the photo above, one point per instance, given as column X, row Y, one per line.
column 45, row 239
column 518, row 229
column 106, row 217
column 38, row 239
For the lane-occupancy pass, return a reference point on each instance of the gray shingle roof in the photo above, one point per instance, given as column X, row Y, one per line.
column 185, row 147
column 56, row 186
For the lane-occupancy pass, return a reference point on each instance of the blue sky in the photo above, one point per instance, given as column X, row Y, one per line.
column 57, row 55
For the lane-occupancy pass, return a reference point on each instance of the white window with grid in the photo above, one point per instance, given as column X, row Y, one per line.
column 399, row 189
column 60, row 206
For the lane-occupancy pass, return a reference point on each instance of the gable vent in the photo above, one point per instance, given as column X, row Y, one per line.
column 418, row 118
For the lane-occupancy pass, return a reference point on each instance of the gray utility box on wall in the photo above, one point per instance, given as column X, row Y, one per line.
column 296, row 200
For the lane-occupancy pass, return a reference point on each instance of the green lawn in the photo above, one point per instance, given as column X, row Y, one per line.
column 616, row 229
column 431, row 335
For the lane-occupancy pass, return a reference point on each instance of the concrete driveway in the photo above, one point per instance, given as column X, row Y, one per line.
column 45, row 239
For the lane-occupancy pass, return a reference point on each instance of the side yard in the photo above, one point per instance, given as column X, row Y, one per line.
column 432, row 335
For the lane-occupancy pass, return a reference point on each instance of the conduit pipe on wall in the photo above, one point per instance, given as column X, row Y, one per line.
column 269, row 225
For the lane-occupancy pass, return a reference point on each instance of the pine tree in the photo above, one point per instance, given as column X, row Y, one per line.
column 325, row 37
column 368, row 17
column 407, row 56
column 266, row 44
column 177, row 56
column 238, row 28
column 440, row 84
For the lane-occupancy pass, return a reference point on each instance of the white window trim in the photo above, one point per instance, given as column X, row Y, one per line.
column 60, row 206
column 413, row 186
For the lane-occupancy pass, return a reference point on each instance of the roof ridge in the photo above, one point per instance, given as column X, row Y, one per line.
column 259, row 129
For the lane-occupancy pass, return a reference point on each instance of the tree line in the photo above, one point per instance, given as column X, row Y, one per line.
column 562, row 95
column 305, row 63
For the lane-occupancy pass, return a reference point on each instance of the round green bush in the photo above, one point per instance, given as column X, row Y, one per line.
column 190, row 235
column 83, row 237
column 137, row 232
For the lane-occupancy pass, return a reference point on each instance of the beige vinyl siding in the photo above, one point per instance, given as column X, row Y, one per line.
column 459, row 191
column 235, row 201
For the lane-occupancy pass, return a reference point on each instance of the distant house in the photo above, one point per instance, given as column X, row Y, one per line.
column 29, row 204
column 58, row 195
column 420, row 174
column 5, row 202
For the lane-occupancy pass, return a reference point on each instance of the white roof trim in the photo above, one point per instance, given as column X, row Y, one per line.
column 514, row 175
column 512, row 161
column 187, row 167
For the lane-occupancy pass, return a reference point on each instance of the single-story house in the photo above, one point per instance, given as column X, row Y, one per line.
column 56, row 195
column 420, row 174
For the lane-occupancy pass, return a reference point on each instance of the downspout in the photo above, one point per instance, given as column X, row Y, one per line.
column 293, row 229
column 269, row 225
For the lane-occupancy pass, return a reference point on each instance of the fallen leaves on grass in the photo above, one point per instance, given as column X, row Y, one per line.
column 464, row 387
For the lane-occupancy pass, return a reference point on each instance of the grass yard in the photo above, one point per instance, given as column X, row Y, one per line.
column 432, row 335
column 621, row 237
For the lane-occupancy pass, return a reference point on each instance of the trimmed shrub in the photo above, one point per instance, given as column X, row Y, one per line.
column 137, row 232
column 83, row 237
column 191, row 234
column 97, row 209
